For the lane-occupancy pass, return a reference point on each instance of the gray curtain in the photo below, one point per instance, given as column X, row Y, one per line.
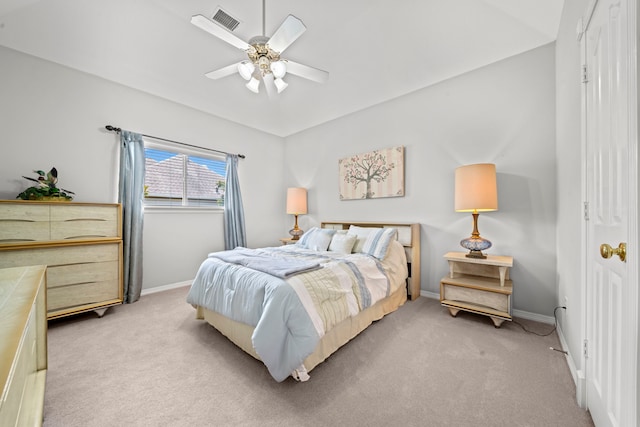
column 234, row 234
column 131, row 192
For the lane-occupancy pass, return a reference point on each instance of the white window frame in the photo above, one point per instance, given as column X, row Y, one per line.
column 187, row 151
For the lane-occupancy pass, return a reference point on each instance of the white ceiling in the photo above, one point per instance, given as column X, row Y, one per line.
column 374, row 50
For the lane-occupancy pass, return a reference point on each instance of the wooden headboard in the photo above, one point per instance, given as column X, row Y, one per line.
column 408, row 236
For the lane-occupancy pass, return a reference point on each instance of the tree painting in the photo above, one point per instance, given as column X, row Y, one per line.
column 375, row 174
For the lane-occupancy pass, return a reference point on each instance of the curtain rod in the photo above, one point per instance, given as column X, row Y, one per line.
column 118, row 130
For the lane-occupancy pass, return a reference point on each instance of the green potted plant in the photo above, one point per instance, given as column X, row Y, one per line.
column 46, row 189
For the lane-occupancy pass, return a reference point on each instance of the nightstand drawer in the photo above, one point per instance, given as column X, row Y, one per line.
column 485, row 298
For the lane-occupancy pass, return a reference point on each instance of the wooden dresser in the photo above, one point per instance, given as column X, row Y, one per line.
column 80, row 243
column 23, row 345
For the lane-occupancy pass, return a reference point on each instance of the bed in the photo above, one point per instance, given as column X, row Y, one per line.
column 292, row 306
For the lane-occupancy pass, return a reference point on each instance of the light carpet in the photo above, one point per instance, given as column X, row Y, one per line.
column 153, row 364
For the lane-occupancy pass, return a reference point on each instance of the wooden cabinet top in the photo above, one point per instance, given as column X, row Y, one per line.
column 46, row 202
column 497, row 260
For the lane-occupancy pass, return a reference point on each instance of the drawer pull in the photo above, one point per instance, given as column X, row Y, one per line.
column 84, row 236
column 16, row 220
column 84, row 219
column 17, row 240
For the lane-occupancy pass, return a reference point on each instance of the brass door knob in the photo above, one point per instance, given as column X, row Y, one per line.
column 606, row 251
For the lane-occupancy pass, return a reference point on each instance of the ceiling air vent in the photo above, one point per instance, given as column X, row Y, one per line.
column 226, row 20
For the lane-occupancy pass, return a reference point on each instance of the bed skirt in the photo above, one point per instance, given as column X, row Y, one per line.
column 240, row 333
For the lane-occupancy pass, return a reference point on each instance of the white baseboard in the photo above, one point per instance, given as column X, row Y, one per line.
column 550, row 320
column 516, row 313
column 429, row 294
column 164, row 287
column 576, row 374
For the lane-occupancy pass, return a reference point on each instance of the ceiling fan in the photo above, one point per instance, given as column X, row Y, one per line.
column 264, row 61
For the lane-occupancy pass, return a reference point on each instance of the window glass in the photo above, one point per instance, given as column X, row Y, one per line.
column 174, row 178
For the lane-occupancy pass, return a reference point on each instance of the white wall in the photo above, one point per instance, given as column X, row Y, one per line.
column 55, row 116
column 503, row 113
column 569, row 157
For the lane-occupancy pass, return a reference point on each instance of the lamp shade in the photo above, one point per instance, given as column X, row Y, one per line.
column 296, row 200
column 476, row 188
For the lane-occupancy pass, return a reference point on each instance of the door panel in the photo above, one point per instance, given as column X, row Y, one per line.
column 610, row 334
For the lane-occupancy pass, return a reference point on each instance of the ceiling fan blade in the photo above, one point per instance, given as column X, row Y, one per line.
column 269, row 85
column 290, row 29
column 307, row 72
column 211, row 27
column 223, row 72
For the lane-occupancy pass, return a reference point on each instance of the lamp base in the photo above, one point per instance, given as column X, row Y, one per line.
column 475, row 245
column 296, row 233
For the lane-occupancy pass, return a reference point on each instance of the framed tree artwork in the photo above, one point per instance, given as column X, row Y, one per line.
column 379, row 173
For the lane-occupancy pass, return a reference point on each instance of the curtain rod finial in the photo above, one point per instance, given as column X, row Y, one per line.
column 113, row 129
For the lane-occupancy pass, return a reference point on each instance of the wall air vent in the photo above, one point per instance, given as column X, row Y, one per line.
column 224, row 19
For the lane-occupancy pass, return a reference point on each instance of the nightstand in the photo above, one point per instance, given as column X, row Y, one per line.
column 288, row 241
column 478, row 285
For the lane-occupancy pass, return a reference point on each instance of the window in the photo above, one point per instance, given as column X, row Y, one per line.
column 177, row 178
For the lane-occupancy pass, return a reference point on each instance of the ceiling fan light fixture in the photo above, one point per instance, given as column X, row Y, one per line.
column 264, row 63
column 245, row 69
column 280, row 84
column 279, row 69
column 263, row 53
column 254, row 85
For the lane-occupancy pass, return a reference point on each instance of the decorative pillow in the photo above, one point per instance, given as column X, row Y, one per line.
column 378, row 242
column 316, row 239
column 361, row 236
column 342, row 242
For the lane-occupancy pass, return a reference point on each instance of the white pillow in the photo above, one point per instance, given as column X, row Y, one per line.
column 361, row 236
column 378, row 242
column 342, row 242
column 316, row 239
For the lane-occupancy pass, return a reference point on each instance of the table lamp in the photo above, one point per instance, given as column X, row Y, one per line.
column 476, row 191
column 296, row 205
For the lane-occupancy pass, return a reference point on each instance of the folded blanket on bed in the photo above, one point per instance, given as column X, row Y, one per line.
column 279, row 267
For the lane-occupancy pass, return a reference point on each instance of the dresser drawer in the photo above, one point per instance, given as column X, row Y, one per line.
column 53, row 256
column 84, row 222
column 24, row 223
column 67, row 297
column 79, row 276
column 24, row 212
column 72, row 274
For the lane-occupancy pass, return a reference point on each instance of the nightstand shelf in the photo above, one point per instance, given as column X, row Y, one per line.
column 480, row 286
column 288, row 241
